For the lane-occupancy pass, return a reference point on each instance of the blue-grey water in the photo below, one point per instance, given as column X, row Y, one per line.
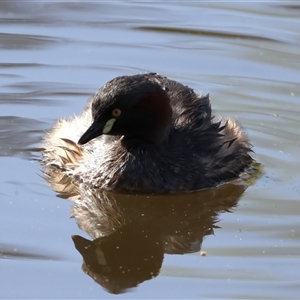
column 54, row 55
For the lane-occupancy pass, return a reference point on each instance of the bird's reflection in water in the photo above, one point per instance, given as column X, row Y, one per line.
column 131, row 233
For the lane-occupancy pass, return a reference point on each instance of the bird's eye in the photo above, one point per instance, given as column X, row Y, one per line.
column 116, row 112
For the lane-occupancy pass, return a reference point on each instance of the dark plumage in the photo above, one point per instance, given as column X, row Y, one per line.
column 154, row 135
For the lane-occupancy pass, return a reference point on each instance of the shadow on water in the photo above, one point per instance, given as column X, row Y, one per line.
column 131, row 233
column 209, row 33
column 8, row 251
column 18, row 135
column 20, row 41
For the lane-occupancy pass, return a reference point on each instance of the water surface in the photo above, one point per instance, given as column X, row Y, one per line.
column 55, row 55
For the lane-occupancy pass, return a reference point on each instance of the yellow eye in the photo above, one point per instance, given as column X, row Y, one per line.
column 116, row 112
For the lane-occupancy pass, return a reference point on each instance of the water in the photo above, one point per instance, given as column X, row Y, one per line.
column 54, row 55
